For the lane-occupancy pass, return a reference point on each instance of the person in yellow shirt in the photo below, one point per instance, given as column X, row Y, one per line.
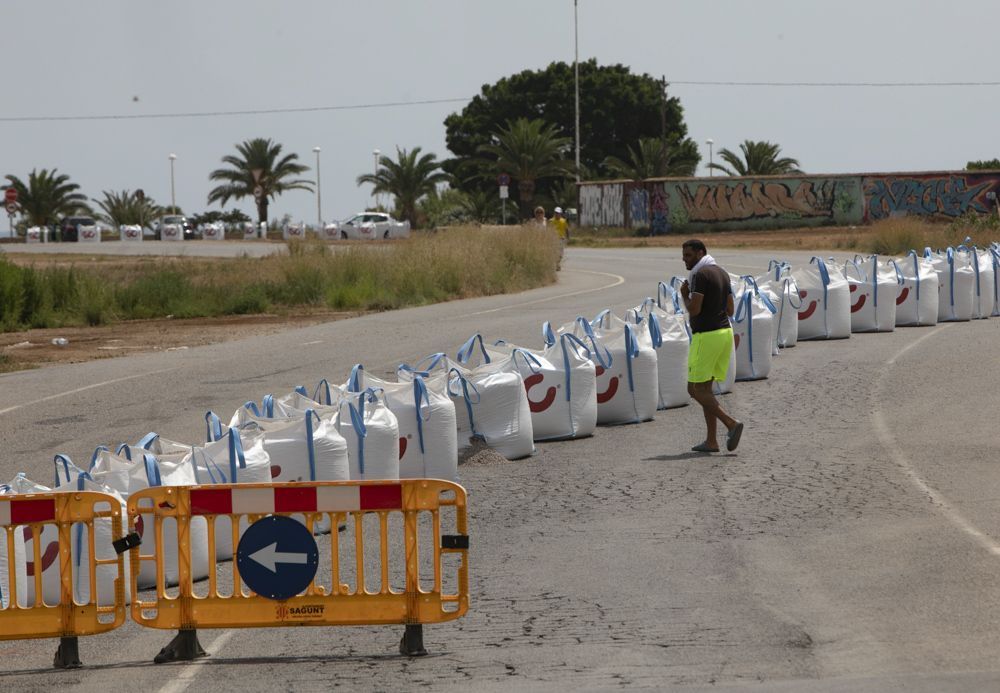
column 560, row 224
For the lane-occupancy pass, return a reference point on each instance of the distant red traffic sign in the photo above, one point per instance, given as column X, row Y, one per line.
column 10, row 195
column 11, row 208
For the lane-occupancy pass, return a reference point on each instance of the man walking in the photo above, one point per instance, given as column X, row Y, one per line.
column 708, row 298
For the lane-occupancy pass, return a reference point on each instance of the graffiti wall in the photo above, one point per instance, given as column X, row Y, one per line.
column 602, row 204
column 766, row 202
column 939, row 195
column 724, row 203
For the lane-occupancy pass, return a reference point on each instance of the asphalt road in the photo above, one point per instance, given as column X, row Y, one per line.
column 851, row 543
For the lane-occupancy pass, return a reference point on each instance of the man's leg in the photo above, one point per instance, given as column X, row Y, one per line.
column 702, row 393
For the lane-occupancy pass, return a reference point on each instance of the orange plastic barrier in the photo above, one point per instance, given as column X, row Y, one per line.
column 65, row 523
column 279, row 576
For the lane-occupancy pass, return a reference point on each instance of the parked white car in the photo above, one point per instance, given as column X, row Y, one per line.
column 371, row 225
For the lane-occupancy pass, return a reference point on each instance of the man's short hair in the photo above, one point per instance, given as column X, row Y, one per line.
column 695, row 244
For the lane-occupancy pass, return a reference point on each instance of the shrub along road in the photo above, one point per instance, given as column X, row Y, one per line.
column 850, row 543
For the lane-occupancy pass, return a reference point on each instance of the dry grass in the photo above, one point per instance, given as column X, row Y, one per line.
column 428, row 268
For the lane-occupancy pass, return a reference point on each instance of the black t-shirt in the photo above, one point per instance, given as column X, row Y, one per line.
column 712, row 282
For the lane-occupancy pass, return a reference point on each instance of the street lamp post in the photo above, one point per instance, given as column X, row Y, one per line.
column 376, row 153
column 319, row 203
column 173, row 199
column 576, row 71
column 710, row 142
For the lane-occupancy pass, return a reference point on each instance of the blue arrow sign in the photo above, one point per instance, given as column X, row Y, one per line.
column 277, row 557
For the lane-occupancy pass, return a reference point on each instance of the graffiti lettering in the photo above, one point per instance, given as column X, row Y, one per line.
column 661, row 210
column 601, row 205
column 754, row 200
column 638, row 207
column 950, row 197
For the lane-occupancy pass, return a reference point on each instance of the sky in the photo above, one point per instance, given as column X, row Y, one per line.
column 69, row 61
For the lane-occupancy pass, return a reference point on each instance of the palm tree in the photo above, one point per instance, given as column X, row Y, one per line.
column 657, row 159
column 47, row 197
column 407, row 179
column 128, row 207
column 528, row 150
column 759, row 159
column 259, row 168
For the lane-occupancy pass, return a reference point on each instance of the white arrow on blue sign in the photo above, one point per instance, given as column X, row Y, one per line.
column 277, row 557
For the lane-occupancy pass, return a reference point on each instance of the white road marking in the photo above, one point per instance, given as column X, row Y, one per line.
column 82, row 389
column 899, row 458
column 188, row 674
column 315, row 341
column 619, row 280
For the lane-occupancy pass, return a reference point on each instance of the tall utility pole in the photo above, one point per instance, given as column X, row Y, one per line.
column 319, row 199
column 576, row 71
column 663, row 122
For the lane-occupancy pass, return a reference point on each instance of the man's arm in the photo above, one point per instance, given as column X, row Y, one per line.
column 730, row 305
column 692, row 302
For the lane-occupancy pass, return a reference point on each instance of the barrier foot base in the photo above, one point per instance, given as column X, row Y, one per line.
column 184, row 646
column 68, row 654
column 412, row 644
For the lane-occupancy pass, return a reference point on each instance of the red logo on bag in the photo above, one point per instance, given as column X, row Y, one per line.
column 902, row 295
column 736, row 341
column 855, row 307
column 546, row 402
column 810, row 309
column 275, row 471
column 607, row 395
column 140, row 526
column 48, row 556
column 402, row 447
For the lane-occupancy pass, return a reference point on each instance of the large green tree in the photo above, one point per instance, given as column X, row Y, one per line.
column 529, row 151
column 617, row 108
column 759, row 159
column 656, row 158
column 127, row 207
column 408, row 179
column 259, row 164
column 47, row 197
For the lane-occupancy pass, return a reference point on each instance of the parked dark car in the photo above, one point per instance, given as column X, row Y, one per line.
column 69, row 228
column 190, row 232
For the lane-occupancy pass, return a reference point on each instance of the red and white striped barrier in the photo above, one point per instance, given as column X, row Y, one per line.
column 296, row 499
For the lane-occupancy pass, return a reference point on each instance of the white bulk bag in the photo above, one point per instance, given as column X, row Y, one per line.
column 672, row 341
column 68, row 479
column 18, row 595
column 668, row 296
column 560, row 385
column 627, row 389
column 48, row 543
column 35, row 234
column 994, row 259
column 130, row 232
column 213, row 231
column 301, row 447
column 325, row 401
column 874, row 289
column 783, row 291
column 753, row 326
column 428, row 437
column 171, row 232
column 372, row 435
column 491, row 402
column 826, row 302
column 151, row 472
column 88, row 234
column 983, row 296
column 956, row 284
column 917, row 302
column 230, row 457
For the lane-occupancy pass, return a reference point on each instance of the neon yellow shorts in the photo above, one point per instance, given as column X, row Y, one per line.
column 709, row 355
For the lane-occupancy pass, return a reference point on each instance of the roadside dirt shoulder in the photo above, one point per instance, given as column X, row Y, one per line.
column 36, row 348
